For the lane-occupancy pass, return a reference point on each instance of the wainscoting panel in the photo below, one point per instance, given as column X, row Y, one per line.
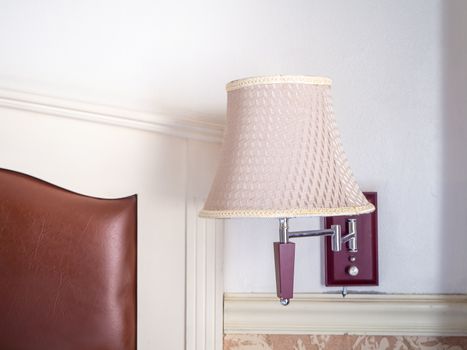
column 204, row 280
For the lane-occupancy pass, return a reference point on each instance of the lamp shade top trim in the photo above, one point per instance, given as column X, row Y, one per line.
column 278, row 79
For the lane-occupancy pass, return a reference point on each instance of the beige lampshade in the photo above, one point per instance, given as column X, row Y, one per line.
column 282, row 154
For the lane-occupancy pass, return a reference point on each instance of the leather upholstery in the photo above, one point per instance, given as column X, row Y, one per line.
column 67, row 268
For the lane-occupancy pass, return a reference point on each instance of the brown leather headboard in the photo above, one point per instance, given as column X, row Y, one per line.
column 67, row 268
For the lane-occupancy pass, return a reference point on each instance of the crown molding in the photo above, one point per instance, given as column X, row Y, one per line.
column 52, row 106
column 376, row 314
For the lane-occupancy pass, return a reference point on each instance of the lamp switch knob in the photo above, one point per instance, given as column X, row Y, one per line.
column 353, row 270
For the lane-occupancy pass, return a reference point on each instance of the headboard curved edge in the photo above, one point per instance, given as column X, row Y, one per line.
column 67, row 267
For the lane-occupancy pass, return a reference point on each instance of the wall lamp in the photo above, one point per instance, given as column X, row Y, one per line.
column 282, row 158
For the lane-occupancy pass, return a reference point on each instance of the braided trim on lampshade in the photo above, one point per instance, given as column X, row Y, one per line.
column 287, row 213
column 277, row 79
column 282, row 155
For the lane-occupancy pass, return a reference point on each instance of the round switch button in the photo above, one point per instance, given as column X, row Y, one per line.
column 353, row 270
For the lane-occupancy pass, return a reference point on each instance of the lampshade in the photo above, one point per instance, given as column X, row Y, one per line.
column 282, row 155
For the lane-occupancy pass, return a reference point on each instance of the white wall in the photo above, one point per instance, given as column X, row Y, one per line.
column 174, row 57
column 399, row 71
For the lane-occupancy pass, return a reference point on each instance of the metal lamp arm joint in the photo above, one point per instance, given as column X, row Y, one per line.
column 335, row 232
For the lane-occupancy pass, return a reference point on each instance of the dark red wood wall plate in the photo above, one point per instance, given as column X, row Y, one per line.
column 337, row 264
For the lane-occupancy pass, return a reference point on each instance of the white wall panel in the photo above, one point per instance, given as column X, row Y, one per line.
column 108, row 161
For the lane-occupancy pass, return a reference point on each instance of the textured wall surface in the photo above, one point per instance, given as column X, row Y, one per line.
column 341, row 342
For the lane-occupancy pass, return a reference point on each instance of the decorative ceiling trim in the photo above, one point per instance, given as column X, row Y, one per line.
column 52, row 106
column 377, row 314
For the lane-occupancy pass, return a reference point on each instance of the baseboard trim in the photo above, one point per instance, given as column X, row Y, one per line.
column 52, row 106
column 372, row 314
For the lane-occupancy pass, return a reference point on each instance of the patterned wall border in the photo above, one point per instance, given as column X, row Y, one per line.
column 341, row 342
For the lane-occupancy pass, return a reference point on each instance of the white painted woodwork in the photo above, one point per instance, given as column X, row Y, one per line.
column 377, row 314
column 204, row 280
column 164, row 124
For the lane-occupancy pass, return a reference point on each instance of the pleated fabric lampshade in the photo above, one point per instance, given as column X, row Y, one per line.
column 282, row 154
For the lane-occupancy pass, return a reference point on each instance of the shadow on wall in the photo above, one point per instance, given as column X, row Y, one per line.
column 454, row 176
